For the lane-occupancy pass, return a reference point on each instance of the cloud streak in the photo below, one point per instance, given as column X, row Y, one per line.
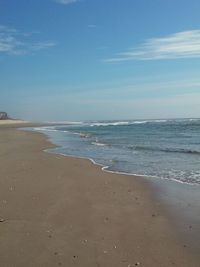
column 14, row 42
column 66, row 2
column 184, row 44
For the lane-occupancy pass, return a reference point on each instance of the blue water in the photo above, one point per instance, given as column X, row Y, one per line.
column 161, row 148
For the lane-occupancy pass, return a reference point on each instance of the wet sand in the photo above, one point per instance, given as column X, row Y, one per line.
column 62, row 211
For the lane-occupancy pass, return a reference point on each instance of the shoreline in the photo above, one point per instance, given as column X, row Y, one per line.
column 158, row 185
column 88, row 217
column 105, row 167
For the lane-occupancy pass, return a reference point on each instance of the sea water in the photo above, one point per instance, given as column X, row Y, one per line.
column 167, row 149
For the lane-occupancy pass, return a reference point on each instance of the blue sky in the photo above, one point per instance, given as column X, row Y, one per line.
column 100, row 59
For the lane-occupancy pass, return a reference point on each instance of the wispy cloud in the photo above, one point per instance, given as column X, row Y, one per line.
column 14, row 42
column 66, row 2
column 41, row 45
column 92, row 26
column 184, row 44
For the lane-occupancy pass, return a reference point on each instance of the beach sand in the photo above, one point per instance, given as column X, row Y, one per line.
column 62, row 211
column 11, row 122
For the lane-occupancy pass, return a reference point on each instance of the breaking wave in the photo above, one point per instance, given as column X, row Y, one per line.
column 168, row 150
column 122, row 123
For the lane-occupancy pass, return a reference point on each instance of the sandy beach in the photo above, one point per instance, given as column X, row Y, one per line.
column 62, row 211
column 12, row 122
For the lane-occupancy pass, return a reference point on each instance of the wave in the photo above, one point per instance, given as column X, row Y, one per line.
column 157, row 121
column 118, row 123
column 125, row 123
column 65, row 122
column 118, row 164
column 85, row 135
column 194, row 119
column 167, row 150
column 49, row 129
column 82, row 134
column 98, row 144
column 189, row 180
column 110, row 123
column 138, row 122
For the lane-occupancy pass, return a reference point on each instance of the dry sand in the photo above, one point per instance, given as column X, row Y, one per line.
column 11, row 122
column 61, row 211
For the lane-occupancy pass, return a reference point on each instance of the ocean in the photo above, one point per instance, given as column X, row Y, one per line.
column 167, row 149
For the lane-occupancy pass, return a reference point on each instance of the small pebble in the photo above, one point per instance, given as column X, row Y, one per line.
column 137, row 263
column 2, row 220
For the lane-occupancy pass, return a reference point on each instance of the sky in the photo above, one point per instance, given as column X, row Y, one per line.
column 99, row 59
